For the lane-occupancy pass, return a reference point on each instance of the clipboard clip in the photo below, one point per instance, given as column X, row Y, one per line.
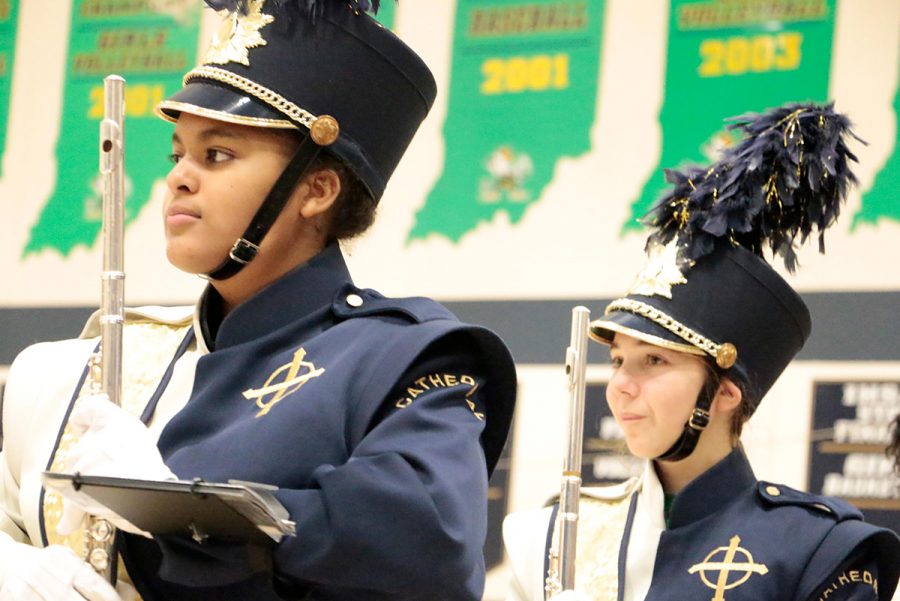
column 194, row 484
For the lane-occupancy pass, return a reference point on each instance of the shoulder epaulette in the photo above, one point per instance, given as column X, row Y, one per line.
column 361, row 302
column 778, row 495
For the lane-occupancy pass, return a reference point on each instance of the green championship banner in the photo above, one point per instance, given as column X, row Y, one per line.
column 729, row 57
column 523, row 93
column 7, row 54
column 881, row 199
column 151, row 43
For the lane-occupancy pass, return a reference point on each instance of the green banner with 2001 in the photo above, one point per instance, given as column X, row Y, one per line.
column 523, row 94
column 728, row 57
column 151, row 43
column 8, row 10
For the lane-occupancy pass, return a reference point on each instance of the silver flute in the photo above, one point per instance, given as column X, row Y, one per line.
column 561, row 573
column 106, row 364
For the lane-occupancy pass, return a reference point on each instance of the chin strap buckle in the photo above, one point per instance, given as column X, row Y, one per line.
column 699, row 419
column 243, row 251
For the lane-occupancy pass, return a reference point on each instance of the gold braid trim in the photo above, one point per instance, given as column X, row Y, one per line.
column 270, row 97
column 601, row 526
column 148, row 348
column 725, row 354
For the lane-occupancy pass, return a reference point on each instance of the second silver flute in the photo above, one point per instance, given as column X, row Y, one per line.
column 100, row 534
column 561, row 576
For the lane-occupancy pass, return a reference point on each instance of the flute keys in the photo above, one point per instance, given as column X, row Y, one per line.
column 99, row 559
column 101, row 531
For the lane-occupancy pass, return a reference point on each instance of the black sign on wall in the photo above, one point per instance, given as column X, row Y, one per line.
column 851, row 427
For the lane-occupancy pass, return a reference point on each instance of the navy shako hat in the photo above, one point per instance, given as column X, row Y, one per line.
column 323, row 67
column 733, row 307
column 706, row 288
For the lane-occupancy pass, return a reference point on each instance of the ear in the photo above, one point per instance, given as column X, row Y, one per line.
column 321, row 188
column 729, row 396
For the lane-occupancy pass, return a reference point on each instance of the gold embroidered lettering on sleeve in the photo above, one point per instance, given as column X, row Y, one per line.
column 474, row 386
column 441, row 381
column 848, row 577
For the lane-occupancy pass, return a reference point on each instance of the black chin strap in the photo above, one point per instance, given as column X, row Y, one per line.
column 323, row 132
column 687, row 442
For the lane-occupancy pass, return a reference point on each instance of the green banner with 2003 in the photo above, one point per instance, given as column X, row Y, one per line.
column 151, row 43
column 729, row 57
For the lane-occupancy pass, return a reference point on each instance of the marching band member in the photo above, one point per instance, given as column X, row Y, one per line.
column 701, row 336
column 379, row 419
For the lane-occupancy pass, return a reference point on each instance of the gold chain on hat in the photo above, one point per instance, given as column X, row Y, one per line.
column 273, row 99
column 725, row 354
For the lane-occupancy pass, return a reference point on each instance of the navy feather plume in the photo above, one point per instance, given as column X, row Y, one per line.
column 311, row 8
column 785, row 180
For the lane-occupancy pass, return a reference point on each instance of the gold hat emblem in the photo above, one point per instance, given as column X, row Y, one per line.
column 238, row 34
column 661, row 271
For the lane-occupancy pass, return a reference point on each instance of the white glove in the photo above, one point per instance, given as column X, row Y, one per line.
column 112, row 443
column 55, row 574
column 563, row 596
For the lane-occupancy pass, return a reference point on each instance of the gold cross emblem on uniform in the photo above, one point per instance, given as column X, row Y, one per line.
column 726, row 566
column 295, row 374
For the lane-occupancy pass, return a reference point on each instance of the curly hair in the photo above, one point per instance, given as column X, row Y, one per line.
column 354, row 209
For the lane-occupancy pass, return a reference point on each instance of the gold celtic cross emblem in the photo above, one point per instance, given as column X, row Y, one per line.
column 295, row 374
column 726, row 566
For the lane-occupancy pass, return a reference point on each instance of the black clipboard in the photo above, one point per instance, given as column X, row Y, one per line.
column 240, row 512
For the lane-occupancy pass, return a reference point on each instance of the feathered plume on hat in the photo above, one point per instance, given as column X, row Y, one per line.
column 311, row 8
column 786, row 178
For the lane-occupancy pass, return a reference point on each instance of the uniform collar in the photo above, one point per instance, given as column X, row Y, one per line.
column 298, row 293
column 712, row 490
